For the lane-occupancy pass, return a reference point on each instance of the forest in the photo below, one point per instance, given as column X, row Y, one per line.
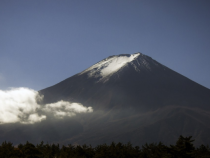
column 183, row 148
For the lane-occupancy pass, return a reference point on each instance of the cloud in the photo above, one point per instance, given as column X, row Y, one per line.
column 62, row 108
column 20, row 105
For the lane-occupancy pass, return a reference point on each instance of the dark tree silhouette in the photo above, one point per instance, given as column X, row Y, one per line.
column 183, row 148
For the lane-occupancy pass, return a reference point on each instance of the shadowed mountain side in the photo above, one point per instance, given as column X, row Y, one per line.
column 164, row 124
column 52, row 131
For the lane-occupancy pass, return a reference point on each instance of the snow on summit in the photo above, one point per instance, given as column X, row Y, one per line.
column 116, row 63
column 110, row 65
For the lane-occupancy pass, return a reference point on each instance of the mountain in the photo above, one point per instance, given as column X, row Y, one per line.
column 134, row 99
column 135, row 80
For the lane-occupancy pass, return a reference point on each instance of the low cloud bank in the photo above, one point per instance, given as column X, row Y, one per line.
column 62, row 108
column 19, row 105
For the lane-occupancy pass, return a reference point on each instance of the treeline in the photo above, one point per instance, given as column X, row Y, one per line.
column 183, row 148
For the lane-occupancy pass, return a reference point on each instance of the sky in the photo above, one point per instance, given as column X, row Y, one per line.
column 43, row 42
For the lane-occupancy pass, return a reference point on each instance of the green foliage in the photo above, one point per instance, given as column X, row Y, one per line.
column 6, row 150
column 116, row 150
column 183, row 148
column 48, row 151
column 202, row 152
column 154, row 150
column 29, row 151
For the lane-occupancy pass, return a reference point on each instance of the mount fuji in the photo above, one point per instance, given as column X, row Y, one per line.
column 134, row 80
column 135, row 99
column 132, row 98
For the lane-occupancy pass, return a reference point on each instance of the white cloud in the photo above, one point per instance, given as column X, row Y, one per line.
column 17, row 104
column 35, row 118
column 63, row 108
column 20, row 105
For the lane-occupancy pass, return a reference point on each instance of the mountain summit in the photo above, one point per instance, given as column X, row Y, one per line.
column 107, row 67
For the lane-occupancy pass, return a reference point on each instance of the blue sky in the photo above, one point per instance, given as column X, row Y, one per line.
column 43, row 42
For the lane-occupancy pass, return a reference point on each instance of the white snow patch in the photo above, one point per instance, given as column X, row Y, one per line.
column 109, row 66
column 116, row 64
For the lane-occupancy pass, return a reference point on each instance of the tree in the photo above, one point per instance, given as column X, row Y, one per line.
column 154, row 150
column 6, row 150
column 183, row 148
column 202, row 152
column 30, row 151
